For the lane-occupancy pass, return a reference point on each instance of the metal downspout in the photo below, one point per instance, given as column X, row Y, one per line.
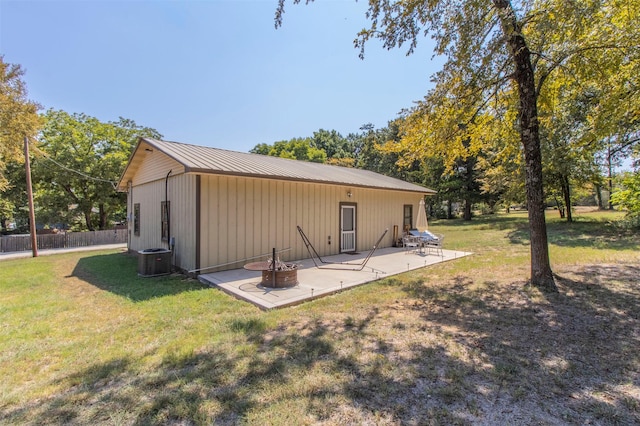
column 166, row 206
column 131, row 218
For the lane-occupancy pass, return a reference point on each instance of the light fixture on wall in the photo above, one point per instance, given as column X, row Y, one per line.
column 349, row 194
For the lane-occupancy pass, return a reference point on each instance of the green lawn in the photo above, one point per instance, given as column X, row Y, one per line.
column 83, row 340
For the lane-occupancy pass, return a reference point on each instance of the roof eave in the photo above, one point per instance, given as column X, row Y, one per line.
column 122, row 184
column 425, row 191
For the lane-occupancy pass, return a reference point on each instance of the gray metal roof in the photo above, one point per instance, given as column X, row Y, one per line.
column 201, row 159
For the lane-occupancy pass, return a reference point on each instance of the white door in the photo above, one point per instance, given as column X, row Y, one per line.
column 347, row 228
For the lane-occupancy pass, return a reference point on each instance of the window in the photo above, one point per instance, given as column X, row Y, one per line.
column 407, row 221
column 136, row 219
column 165, row 208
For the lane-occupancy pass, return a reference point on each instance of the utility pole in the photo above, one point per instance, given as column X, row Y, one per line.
column 32, row 214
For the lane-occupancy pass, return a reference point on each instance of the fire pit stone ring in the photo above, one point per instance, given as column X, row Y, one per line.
column 286, row 274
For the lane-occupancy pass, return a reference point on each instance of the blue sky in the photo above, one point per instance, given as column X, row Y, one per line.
column 212, row 72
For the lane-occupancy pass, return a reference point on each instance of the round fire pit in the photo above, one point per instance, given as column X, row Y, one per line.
column 286, row 274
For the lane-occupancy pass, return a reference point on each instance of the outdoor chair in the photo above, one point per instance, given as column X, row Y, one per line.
column 435, row 244
column 410, row 242
column 424, row 235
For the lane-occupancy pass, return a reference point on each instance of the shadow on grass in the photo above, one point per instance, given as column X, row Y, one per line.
column 569, row 350
column 473, row 356
column 499, row 222
column 117, row 273
column 229, row 387
column 583, row 233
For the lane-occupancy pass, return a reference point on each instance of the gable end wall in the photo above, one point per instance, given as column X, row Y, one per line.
column 181, row 192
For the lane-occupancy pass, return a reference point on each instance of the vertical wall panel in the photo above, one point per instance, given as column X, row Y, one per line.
column 258, row 212
column 278, row 222
column 301, row 252
column 182, row 201
column 208, row 193
column 334, row 226
column 222, row 223
column 246, row 217
column 230, row 243
column 181, row 195
column 288, row 227
column 265, row 218
column 273, row 216
column 241, row 229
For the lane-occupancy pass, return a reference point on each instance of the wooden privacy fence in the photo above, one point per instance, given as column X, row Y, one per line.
column 11, row 243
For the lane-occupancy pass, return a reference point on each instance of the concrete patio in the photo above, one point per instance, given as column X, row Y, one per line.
column 317, row 282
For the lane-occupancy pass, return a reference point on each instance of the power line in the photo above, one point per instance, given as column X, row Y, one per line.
column 44, row 154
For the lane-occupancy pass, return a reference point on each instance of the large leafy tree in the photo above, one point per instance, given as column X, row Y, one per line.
column 615, row 73
column 325, row 146
column 18, row 117
column 14, row 201
column 296, row 149
column 80, row 159
column 502, row 162
column 590, row 104
column 569, row 148
column 628, row 196
column 375, row 151
column 499, row 50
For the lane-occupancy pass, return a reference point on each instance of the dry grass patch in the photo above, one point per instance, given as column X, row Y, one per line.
column 458, row 351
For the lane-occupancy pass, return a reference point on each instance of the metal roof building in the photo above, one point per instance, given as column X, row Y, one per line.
column 208, row 160
column 222, row 207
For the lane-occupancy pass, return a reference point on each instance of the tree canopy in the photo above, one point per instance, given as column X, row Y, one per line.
column 499, row 57
column 78, row 161
column 18, row 116
column 296, row 149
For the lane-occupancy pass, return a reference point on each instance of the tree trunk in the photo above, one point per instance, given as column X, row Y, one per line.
column 469, row 178
column 610, row 176
column 87, row 220
column 467, row 208
column 449, row 209
column 492, row 206
column 599, row 197
column 541, row 274
column 103, row 217
column 560, row 207
column 566, row 193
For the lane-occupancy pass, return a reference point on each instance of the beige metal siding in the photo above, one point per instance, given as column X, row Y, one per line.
column 245, row 217
column 181, row 195
column 182, row 192
column 155, row 165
